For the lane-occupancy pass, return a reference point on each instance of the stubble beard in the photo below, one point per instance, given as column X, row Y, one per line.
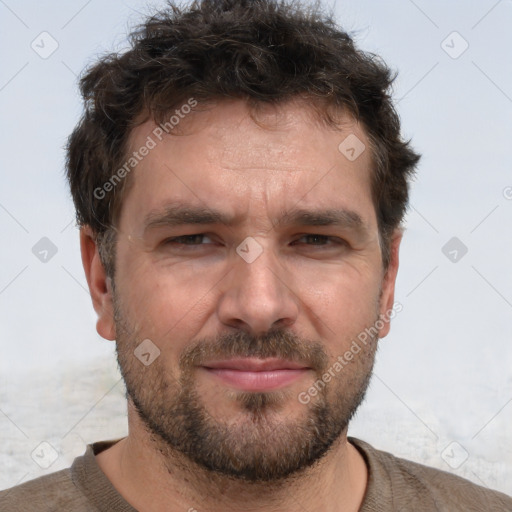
column 263, row 444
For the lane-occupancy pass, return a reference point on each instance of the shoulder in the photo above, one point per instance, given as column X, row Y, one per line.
column 81, row 488
column 408, row 484
column 44, row 494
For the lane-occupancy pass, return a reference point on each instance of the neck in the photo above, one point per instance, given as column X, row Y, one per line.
column 150, row 476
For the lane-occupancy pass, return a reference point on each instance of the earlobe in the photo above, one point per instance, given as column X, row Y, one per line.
column 388, row 284
column 99, row 284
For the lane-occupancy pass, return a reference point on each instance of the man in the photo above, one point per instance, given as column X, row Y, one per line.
column 240, row 180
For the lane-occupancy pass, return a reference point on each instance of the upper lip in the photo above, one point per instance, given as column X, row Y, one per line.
column 252, row 364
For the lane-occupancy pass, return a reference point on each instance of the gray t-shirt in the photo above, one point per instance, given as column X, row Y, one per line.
column 394, row 485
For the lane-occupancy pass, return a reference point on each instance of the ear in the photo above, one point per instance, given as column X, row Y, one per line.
column 99, row 284
column 387, row 299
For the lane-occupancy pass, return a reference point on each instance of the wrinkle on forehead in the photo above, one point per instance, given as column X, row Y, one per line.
column 227, row 159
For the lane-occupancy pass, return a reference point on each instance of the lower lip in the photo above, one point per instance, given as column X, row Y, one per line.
column 257, row 381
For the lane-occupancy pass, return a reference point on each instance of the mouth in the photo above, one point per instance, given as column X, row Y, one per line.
column 254, row 374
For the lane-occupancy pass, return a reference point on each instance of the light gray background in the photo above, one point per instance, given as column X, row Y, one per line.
column 442, row 389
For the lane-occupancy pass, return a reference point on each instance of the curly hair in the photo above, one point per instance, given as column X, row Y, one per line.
column 260, row 51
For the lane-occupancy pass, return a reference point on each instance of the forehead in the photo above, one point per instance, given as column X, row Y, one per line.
column 228, row 157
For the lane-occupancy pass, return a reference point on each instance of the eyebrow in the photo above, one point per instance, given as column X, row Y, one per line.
column 178, row 215
column 327, row 217
column 182, row 214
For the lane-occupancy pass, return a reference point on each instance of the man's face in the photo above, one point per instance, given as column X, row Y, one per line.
column 245, row 325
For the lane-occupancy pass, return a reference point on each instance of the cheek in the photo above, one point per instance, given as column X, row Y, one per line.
column 167, row 303
column 341, row 303
column 340, row 290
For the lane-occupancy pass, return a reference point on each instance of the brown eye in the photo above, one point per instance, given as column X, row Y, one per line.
column 196, row 239
column 315, row 239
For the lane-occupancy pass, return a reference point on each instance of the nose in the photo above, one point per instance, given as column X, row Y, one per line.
column 257, row 296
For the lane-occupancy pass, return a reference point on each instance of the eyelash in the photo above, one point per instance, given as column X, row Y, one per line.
column 325, row 238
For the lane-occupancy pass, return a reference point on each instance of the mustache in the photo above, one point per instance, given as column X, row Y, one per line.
column 274, row 344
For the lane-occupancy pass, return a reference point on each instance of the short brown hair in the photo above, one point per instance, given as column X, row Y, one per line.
column 262, row 51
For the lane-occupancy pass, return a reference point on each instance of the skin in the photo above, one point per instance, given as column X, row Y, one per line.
column 323, row 289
